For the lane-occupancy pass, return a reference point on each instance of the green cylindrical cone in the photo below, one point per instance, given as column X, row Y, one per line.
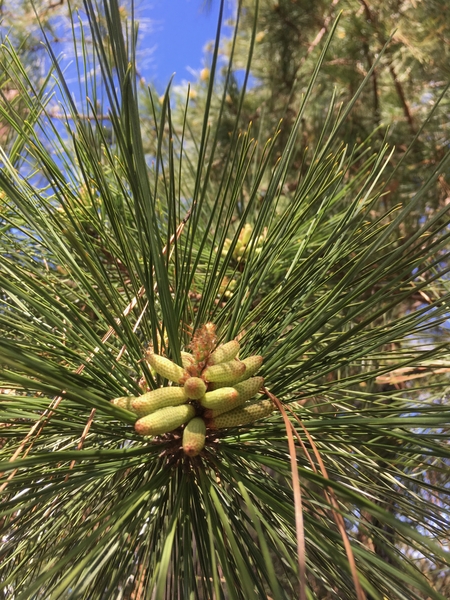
column 224, row 353
column 194, row 388
column 226, row 373
column 242, row 415
column 160, row 398
column 252, row 365
column 246, row 233
column 246, row 390
column 124, row 402
column 221, row 398
column 194, row 436
column 166, row 368
column 164, row 420
column 187, row 359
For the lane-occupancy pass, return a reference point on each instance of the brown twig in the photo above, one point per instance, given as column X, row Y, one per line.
column 299, row 526
column 397, row 84
column 339, row 520
column 321, row 33
column 401, row 95
column 405, row 374
column 376, row 102
column 55, row 114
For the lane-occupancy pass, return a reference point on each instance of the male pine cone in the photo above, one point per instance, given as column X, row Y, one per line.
column 220, row 390
column 224, row 353
column 159, row 398
column 166, row 368
column 194, row 436
column 164, row 420
column 245, row 391
column 226, row 373
column 242, row 415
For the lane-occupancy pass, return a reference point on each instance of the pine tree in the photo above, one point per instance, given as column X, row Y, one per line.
column 407, row 80
column 121, row 273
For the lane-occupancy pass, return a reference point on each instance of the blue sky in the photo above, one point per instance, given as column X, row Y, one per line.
column 173, row 36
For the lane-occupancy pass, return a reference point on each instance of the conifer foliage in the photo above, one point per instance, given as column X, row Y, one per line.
column 326, row 479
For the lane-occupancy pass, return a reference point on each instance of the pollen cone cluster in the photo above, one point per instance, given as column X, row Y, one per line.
column 212, row 390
